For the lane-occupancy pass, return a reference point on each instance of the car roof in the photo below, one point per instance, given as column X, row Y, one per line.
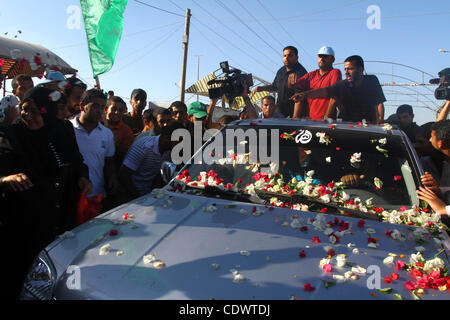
column 287, row 122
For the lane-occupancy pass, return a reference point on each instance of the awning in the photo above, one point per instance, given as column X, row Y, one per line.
column 20, row 57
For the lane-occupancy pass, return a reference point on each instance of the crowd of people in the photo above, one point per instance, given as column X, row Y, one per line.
column 60, row 142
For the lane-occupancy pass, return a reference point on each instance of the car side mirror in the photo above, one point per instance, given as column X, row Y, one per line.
column 168, row 170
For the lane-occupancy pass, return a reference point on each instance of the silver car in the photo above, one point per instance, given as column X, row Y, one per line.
column 321, row 211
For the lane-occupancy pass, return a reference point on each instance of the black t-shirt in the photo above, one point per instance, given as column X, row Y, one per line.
column 411, row 131
column 358, row 102
column 284, row 105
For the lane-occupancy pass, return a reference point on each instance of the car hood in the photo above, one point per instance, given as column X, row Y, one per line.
column 218, row 249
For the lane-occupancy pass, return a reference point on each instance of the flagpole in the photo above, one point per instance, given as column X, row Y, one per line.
column 97, row 83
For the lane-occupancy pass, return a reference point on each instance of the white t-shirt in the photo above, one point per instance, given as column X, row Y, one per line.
column 95, row 147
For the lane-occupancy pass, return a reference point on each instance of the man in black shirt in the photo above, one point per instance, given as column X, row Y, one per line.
column 405, row 118
column 359, row 96
column 290, row 72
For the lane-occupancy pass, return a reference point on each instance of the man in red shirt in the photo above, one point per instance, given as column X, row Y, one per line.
column 325, row 76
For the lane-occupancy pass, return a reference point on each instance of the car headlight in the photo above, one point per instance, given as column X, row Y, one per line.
column 40, row 280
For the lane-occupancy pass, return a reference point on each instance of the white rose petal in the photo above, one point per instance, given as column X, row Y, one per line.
column 355, row 251
column 359, row 270
column 328, row 231
column 158, row 264
column 370, row 231
column 332, row 239
column 341, row 260
column 348, row 274
column 55, row 96
column 373, row 245
column 351, row 245
column 119, row 253
column 339, row 278
column 148, row 258
column 434, row 265
column 296, row 223
column 415, row 258
column 104, row 250
column 245, row 253
column 420, row 249
column 388, row 260
column 323, row 262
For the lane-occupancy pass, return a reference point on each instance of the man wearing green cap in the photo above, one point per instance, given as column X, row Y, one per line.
column 197, row 111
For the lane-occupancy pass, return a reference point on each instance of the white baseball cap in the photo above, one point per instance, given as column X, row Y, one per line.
column 326, row 51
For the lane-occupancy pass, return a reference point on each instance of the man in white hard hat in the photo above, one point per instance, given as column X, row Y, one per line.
column 325, row 76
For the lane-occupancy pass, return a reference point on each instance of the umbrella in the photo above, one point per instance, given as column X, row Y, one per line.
column 20, row 57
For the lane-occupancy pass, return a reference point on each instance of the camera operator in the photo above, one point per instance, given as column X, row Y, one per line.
column 249, row 109
column 289, row 73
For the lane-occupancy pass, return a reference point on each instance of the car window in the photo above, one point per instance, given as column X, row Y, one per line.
column 378, row 164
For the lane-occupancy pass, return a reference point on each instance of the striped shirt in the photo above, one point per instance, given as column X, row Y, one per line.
column 144, row 159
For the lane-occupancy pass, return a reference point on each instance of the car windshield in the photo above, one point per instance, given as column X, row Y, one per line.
column 309, row 168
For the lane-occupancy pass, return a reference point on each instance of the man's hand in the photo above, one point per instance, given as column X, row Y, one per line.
column 245, row 90
column 299, row 96
column 85, row 186
column 257, row 89
column 428, row 181
column 292, row 81
column 433, row 200
column 11, row 115
column 213, row 102
column 16, row 182
column 350, row 179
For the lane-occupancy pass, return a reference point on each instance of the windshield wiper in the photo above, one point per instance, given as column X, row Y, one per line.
column 295, row 198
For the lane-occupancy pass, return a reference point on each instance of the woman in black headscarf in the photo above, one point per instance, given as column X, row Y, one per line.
column 41, row 172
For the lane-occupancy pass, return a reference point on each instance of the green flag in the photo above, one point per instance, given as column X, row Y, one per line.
column 103, row 21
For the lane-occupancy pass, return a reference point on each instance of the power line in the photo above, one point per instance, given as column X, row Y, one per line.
column 123, row 36
column 177, row 6
column 281, row 26
column 217, row 47
column 322, row 11
column 167, row 37
column 246, row 25
column 233, row 45
column 260, row 24
column 148, row 5
column 237, row 34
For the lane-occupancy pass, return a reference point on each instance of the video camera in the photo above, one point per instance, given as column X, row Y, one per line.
column 443, row 91
column 230, row 85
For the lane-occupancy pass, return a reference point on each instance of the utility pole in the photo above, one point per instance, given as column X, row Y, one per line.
column 185, row 51
column 198, row 69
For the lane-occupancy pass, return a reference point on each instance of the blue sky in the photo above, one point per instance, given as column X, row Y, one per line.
column 150, row 52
